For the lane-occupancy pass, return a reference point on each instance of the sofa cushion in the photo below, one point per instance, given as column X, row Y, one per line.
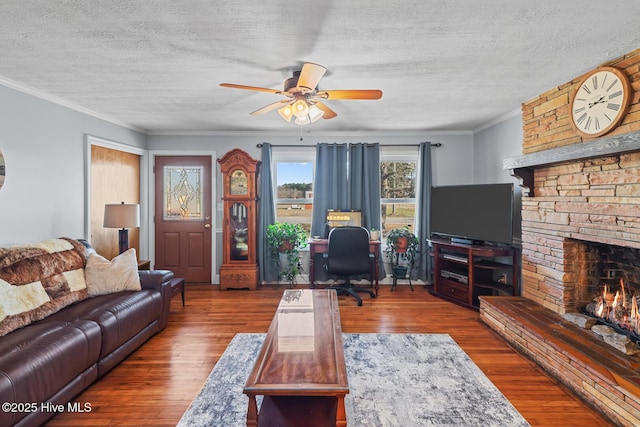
column 36, row 361
column 120, row 315
column 39, row 279
column 106, row 277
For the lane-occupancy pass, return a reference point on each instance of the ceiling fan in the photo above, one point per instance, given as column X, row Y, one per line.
column 304, row 99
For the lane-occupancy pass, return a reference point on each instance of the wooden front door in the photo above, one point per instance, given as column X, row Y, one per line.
column 183, row 216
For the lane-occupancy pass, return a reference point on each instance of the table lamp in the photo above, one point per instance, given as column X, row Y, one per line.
column 122, row 216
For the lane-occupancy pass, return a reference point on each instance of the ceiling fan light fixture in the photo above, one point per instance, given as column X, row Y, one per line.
column 304, row 99
column 300, row 108
column 286, row 112
column 315, row 113
column 303, row 120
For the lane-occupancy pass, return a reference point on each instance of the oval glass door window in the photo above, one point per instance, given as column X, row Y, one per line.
column 2, row 170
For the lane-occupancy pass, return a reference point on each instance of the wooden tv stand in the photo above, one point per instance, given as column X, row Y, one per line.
column 462, row 272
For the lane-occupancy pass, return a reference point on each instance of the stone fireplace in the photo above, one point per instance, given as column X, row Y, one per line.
column 595, row 200
column 580, row 230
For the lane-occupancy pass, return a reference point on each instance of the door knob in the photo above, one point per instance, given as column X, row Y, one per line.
column 207, row 226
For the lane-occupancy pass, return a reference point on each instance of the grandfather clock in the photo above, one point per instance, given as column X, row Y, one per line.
column 239, row 267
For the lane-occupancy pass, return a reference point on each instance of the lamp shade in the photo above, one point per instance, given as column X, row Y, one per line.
column 315, row 113
column 286, row 112
column 121, row 215
column 300, row 108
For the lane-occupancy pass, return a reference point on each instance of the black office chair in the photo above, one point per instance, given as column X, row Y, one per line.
column 348, row 256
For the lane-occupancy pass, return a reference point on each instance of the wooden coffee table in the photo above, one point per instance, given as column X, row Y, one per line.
column 300, row 369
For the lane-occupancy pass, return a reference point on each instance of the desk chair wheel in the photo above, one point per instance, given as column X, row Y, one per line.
column 360, row 303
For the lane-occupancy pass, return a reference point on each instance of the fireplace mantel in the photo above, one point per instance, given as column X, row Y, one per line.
column 522, row 167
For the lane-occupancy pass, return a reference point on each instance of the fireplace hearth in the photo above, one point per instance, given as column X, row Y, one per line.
column 600, row 374
column 580, row 233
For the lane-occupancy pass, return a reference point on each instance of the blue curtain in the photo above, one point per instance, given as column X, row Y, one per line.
column 364, row 185
column 364, row 182
column 330, row 184
column 266, row 217
column 423, row 220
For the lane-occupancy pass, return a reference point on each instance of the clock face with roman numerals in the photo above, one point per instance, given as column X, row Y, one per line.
column 600, row 102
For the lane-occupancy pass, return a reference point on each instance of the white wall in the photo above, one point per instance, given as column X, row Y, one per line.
column 491, row 146
column 452, row 162
column 44, row 149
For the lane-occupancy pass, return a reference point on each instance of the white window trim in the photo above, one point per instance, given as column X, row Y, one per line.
column 292, row 156
column 400, row 154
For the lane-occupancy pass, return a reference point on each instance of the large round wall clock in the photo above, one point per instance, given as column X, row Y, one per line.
column 600, row 102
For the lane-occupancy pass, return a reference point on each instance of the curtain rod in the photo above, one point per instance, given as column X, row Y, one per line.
column 437, row 144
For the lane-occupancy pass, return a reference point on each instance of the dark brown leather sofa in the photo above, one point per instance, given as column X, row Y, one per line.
column 49, row 362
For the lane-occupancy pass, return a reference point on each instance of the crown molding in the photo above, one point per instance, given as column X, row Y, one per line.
column 308, row 132
column 20, row 87
column 498, row 120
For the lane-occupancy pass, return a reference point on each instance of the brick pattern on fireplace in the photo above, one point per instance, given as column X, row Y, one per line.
column 595, row 200
column 546, row 119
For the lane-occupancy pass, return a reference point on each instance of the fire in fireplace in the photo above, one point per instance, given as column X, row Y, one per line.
column 619, row 310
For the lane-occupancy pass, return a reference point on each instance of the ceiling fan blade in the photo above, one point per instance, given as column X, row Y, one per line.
column 310, row 75
column 350, row 94
column 328, row 112
column 261, row 89
column 271, row 107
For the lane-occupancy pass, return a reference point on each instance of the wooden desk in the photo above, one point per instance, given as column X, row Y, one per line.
column 320, row 246
column 300, row 369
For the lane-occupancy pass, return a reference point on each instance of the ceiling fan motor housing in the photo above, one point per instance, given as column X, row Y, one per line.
column 292, row 82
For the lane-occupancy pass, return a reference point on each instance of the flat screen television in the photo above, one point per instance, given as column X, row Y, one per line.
column 482, row 213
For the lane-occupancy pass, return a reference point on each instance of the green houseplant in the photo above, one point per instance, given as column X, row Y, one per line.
column 374, row 233
column 401, row 244
column 285, row 239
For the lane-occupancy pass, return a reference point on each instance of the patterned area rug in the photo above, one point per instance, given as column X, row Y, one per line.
column 394, row 380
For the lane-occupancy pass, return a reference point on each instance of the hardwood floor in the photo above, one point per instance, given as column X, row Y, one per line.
column 154, row 386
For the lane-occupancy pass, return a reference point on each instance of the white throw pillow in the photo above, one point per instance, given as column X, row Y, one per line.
column 106, row 277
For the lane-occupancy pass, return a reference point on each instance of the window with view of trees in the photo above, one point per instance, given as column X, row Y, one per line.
column 397, row 194
column 293, row 176
column 294, row 192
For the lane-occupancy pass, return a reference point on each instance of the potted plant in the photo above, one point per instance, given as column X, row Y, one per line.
column 402, row 245
column 284, row 239
column 374, row 233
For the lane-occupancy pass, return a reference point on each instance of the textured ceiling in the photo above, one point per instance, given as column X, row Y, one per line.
column 442, row 65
